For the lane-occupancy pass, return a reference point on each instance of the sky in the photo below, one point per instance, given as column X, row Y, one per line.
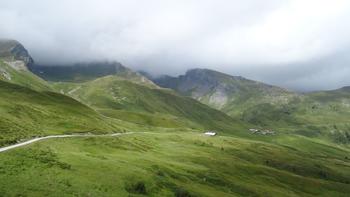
column 297, row 44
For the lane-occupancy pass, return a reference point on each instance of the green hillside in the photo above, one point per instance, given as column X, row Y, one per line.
column 22, row 76
column 318, row 114
column 26, row 113
column 116, row 97
column 176, row 164
column 163, row 151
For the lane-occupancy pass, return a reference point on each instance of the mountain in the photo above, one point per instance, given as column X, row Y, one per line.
column 13, row 51
column 17, row 73
column 14, row 63
column 117, row 92
column 117, row 97
column 166, row 152
column 231, row 94
column 323, row 113
column 82, row 72
column 29, row 106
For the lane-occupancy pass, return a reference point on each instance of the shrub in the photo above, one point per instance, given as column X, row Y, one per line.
column 179, row 192
column 137, row 188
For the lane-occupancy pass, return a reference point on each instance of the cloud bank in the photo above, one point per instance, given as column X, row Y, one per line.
column 297, row 44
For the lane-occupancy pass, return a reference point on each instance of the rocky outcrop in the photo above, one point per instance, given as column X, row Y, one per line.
column 223, row 91
column 13, row 52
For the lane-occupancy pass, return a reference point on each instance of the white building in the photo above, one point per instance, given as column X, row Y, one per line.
column 210, row 133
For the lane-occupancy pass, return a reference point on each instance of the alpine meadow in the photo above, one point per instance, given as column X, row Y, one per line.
column 174, row 98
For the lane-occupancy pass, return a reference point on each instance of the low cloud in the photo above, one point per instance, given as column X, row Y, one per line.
column 297, row 44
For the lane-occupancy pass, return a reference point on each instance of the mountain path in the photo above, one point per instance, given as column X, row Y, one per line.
column 6, row 148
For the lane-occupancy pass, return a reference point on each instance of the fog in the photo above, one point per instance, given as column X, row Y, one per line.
column 301, row 45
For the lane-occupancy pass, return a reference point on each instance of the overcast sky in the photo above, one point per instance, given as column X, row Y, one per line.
column 298, row 44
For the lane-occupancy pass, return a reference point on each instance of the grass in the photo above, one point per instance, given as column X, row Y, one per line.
column 323, row 114
column 26, row 113
column 112, row 94
column 175, row 164
column 319, row 115
column 149, row 119
column 23, row 77
column 170, row 156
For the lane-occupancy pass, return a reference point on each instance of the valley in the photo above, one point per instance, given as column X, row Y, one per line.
column 102, row 129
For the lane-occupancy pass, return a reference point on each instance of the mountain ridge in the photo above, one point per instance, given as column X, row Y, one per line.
column 168, row 153
column 87, row 71
column 218, row 89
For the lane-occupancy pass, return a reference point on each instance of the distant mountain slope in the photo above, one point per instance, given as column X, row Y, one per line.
column 324, row 107
column 25, row 113
column 230, row 94
column 14, row 63
column 17, row 73
column 83, row 72
column 117, row 92
column 324, row 113
column 116, row 97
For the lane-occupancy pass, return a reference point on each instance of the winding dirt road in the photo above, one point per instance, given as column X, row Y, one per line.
column 6, row 148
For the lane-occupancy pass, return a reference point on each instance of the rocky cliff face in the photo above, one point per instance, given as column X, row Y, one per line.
column 14, row 53
column 15, row 62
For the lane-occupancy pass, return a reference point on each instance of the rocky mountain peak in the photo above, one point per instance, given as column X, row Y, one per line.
column 12, row 51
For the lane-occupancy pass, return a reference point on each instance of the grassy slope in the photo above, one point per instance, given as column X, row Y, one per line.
column 327, row 107
column 160, row 164
column 25, row 113
column 123, row 99
column 322, row 114
column 180, row 164
column 23, row 78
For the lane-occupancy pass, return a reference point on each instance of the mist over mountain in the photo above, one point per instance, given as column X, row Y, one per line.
column 100, row 128
column 293, row 44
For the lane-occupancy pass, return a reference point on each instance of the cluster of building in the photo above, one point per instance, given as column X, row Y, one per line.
column 262, row 132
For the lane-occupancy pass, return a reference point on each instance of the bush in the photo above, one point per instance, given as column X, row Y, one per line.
column 179, row 192
column 137, row 188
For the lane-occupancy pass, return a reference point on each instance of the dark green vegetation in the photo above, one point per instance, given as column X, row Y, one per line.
column 83, row 72
column 176, row 164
